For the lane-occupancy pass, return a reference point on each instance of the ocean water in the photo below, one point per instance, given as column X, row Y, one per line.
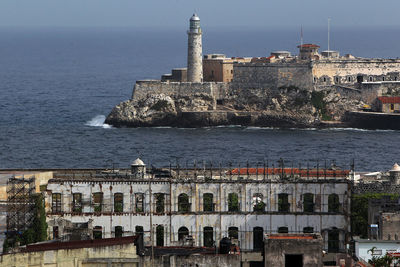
column 58, row 84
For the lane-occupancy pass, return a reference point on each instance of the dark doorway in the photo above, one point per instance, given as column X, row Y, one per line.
column 292, row 260
column 360, row 79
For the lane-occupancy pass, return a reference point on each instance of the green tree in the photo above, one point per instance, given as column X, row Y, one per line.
column 37, row 231
column 359, row 212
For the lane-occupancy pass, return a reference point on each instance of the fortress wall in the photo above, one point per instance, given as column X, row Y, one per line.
column 144, row 88
column 272, row 75
column 340, row 71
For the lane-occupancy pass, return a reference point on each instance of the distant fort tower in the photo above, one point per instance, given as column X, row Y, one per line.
column 195, row 63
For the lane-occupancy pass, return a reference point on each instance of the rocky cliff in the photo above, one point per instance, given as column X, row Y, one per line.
column 284, row 107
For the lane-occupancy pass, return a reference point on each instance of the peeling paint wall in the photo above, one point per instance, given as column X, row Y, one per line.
column 220, row 219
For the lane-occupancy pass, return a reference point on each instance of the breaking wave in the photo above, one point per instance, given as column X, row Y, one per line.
column 98, row 121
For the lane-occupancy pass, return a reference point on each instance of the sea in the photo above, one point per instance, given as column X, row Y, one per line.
column 57, row 85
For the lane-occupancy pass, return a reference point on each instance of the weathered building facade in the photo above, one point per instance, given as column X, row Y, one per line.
column 168, row 206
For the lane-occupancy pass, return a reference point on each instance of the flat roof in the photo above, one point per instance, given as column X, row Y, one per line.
column 80, row 244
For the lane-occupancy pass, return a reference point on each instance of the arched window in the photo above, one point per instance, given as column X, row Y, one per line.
column 160, row 199
column 183, row 203
column 160, row 236
column 208, row 235
column 233, row 232
column 182, row 232
column 208, row 204
column 308, row 230
column 139, row 202
column 308, row 202
column 258, row 204
column 76, row 202
column 118, row 231
column 98, row 201
column 370, row 78
column 283, row 230
column 258, row 238
column 333, row 203
column 233, row 202
column 283, row 202
column 118, row 202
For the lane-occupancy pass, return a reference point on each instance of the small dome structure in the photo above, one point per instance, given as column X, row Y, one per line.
column 394, row 174
column 138, row 162
column 395, row 168
column 138, row 168
column 195, row 17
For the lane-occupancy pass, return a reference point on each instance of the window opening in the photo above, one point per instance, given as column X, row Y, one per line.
column 283, row 202
column 208, row 237
column 118, row 202
column 308, row 202
column 56, row 202
column 258, row 204
column 333, row 203
column 139, row 202
column 98, row 201
column 118, row 231
column 283, row 230
column 76, row 202
column 308, row 230
column 160, row 200
column 160, row 236
column 183, row 203
column 97, row 232
column 182, row 232
column 233, row 202
column 258, row 238
column 208, row 204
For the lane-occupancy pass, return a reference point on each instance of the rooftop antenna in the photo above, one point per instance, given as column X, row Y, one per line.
column 329, row 29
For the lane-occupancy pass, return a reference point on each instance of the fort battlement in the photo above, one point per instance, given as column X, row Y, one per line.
column 216, row 90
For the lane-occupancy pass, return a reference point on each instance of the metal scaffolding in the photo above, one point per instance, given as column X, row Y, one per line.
column 20, row 204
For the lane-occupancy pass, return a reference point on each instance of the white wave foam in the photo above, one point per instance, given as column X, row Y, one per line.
column 98, row 121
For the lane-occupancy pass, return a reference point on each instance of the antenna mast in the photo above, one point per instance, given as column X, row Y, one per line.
column 301, row 35
column 329, row 29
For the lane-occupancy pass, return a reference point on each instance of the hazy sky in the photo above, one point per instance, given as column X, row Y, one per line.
column 213, row 13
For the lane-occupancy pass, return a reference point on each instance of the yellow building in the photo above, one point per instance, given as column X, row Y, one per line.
column 41, row 179
column 388, row 104
column 218, row 68
column 88, row 253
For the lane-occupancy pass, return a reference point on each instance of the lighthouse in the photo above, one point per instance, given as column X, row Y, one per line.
column 195, row 61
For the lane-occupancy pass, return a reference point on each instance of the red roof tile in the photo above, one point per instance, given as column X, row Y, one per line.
column 289, row 171
column 389, row 99
column 309, row 45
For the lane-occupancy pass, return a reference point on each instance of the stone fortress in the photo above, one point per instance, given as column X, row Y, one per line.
column 279, row 90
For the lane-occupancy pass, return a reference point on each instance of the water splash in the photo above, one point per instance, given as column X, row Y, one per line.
column 98, row 121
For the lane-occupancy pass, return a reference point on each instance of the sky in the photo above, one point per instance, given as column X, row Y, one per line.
column 213, row 13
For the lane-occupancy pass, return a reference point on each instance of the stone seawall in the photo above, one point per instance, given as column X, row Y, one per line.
column 143, row 89
column 372, row 120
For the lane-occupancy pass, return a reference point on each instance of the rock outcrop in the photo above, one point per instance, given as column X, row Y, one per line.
column 285, row 107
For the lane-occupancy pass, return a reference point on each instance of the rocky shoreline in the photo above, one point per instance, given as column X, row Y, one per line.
column 286, row 109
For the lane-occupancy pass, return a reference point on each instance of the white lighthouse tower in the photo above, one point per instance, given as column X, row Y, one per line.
column 195, row 61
